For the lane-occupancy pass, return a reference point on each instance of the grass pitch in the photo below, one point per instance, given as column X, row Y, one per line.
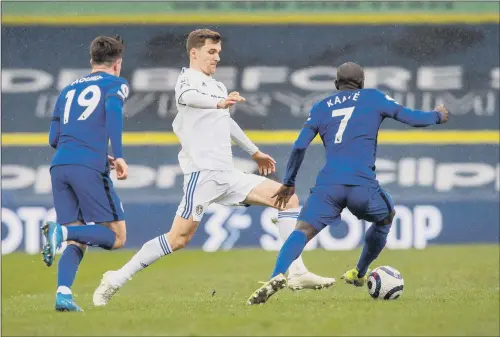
column 449, row 290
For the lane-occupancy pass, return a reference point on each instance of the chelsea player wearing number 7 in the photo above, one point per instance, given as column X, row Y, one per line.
column 87, row 115
column 348, row 124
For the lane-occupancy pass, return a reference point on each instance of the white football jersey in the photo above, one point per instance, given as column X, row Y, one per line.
column 203, row 133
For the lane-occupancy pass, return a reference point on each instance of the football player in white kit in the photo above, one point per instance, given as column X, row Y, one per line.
column 205, row 130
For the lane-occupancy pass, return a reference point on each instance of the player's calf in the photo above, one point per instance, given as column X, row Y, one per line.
column 182, row 232
column 178, row 241
column 375, row 240
column 66, row 272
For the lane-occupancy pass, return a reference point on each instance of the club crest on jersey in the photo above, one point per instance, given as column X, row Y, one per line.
column 184, row 82
column 199, row 209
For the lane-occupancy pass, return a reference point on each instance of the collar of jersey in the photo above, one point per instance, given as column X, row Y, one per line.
column 199, row 74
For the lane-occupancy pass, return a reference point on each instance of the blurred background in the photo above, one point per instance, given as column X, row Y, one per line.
column 281, row 56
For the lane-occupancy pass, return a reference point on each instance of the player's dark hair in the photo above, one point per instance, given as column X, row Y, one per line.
column 197, row 38
column 106, row 50
column 350, row 76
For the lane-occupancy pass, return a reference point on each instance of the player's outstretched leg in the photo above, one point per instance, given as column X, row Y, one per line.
column 298, row 276
column 177, row 238
column 291, row 249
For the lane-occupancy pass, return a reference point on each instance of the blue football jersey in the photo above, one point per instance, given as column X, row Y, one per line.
column 348, row 124
column 87, row 114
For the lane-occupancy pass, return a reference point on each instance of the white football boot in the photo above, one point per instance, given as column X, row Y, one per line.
column 106, row 289
column 309, row 280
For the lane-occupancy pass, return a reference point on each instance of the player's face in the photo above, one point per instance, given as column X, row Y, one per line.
column 207, row 57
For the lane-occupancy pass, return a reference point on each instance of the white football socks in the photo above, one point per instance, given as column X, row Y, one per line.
column 286, row 225
column 150, row 252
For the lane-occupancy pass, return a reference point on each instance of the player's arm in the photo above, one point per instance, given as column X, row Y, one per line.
column 287, row 190
column 265, row 163
column 241, row 139
column 55, row 124
column 296, row 158
column 413, row 117
column 306, row 136
column 195, row 99
column 186, row 93
column 54, row 132
column 114, row 124
column 114, row 102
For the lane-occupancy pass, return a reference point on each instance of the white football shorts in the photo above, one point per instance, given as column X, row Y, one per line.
column 205, row 187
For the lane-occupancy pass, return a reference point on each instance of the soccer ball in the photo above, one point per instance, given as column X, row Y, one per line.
column 385, row 283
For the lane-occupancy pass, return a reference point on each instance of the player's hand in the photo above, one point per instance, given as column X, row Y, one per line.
column 444, row 113
column 265, row 163
column 121, row 169
column 283, row 196
column 233, row 98
column 111, row 161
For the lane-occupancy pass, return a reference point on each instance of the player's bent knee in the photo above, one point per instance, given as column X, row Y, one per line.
column 120, row 230
column 387, row 220
column 82, row 246
column 120, row 241
column 307, row 229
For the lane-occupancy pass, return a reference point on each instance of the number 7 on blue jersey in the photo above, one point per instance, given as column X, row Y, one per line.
column 347, row 113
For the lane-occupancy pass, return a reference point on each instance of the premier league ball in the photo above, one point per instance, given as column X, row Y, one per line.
column 385, row 283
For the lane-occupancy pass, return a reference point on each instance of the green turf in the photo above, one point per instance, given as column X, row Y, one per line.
column 449, row 290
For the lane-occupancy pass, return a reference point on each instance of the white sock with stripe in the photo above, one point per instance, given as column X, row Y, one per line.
column 150, row 252
column 286, row 225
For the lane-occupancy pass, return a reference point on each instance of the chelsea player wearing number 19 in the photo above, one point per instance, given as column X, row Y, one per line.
column 87, row 115
column 348, row 124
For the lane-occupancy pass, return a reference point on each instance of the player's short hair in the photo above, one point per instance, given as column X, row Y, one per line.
column 350, row 75
column 106, row 50
column 197, row 38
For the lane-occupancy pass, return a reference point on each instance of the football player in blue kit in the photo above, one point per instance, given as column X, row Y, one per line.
column 348, row 124
column 87, row 116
